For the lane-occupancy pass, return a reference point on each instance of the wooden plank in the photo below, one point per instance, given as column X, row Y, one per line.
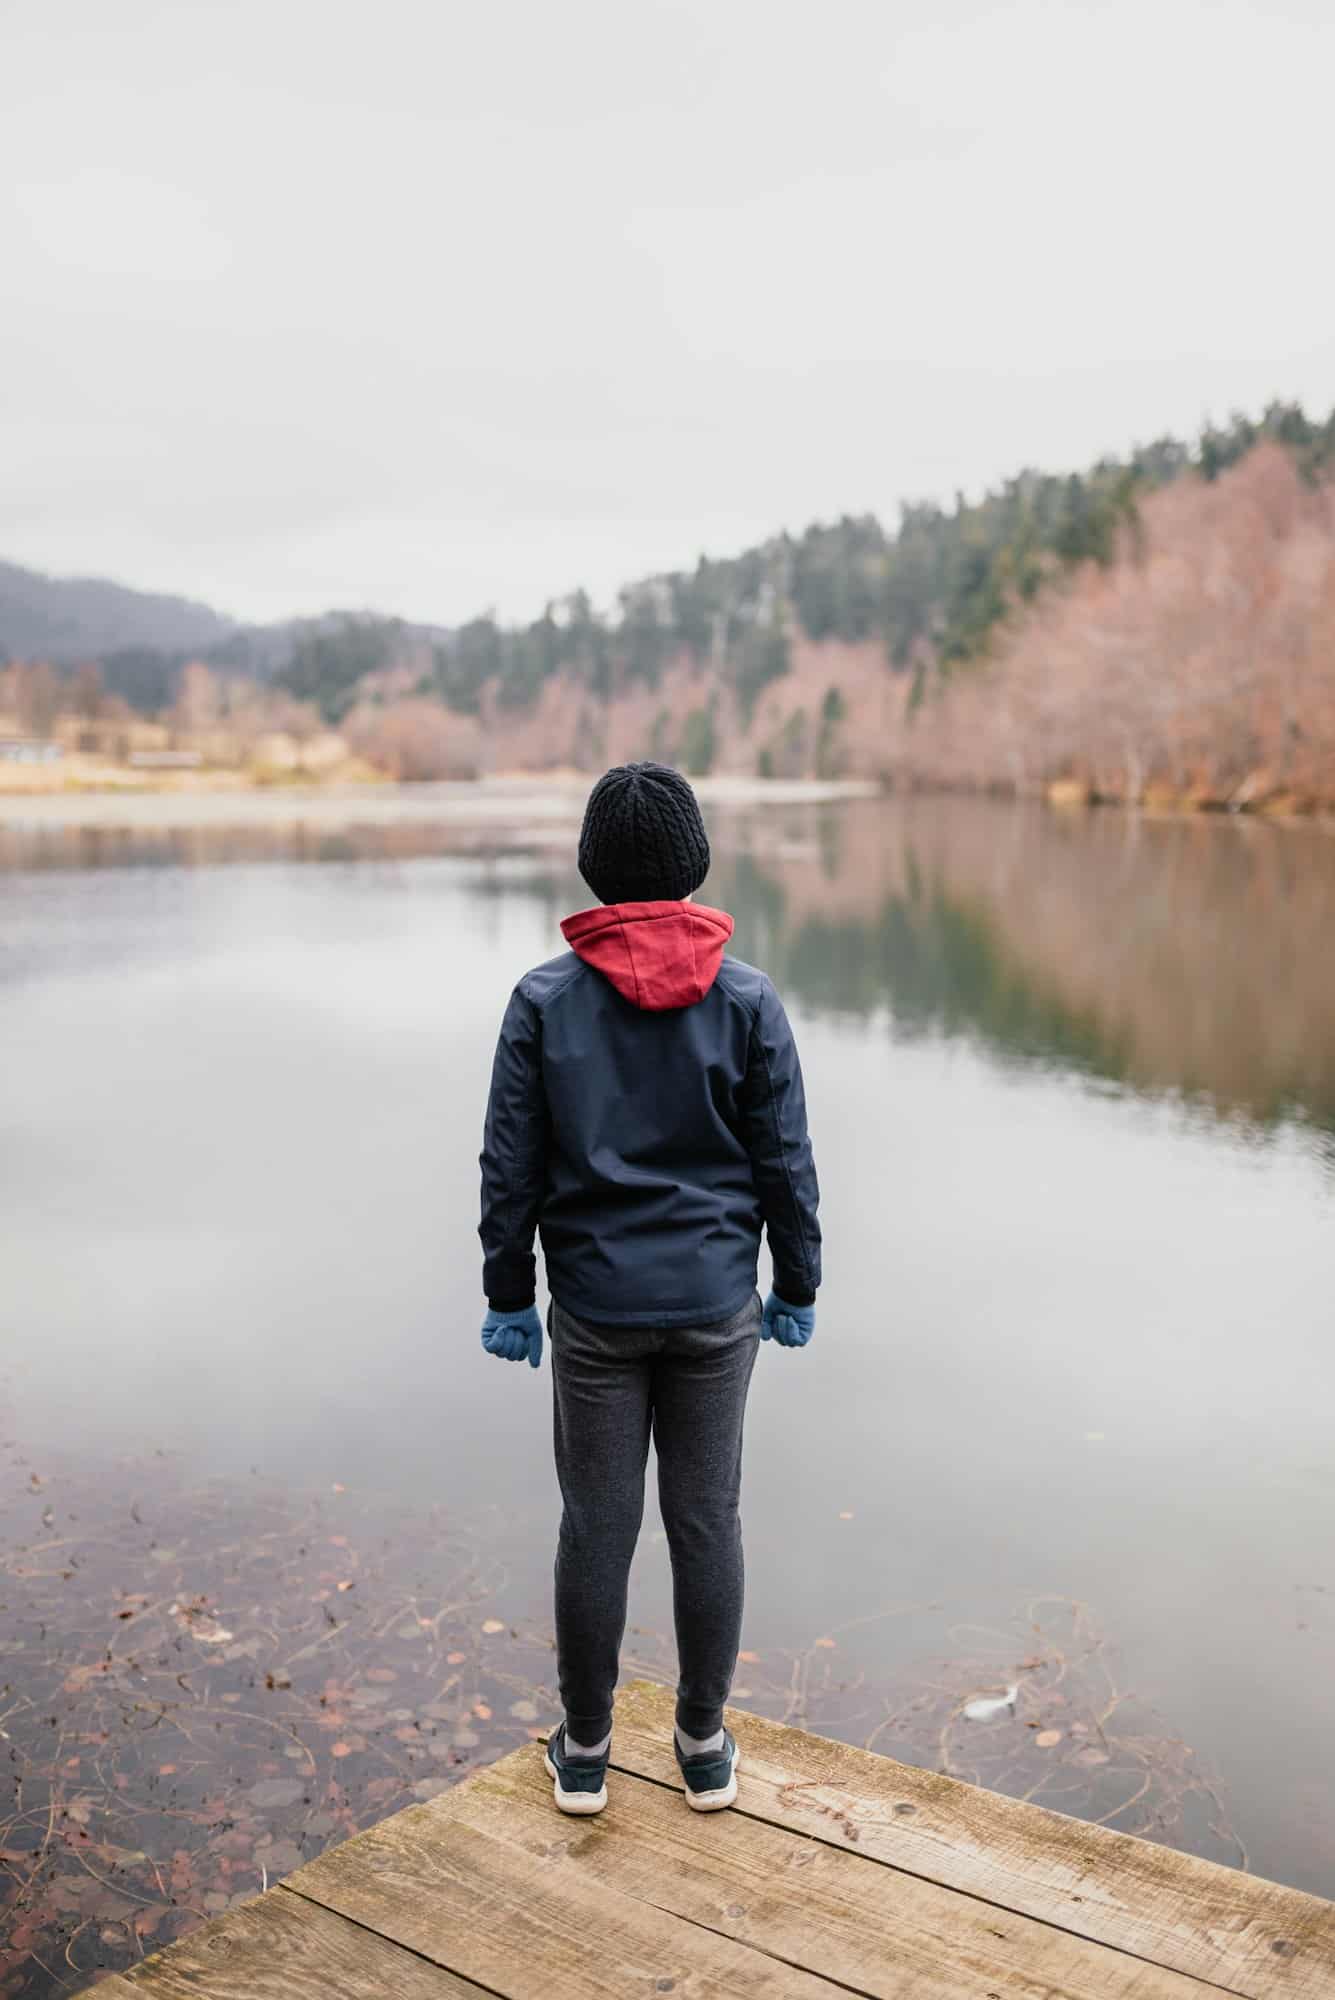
column 508, row 1910
column 281, row 1947
column 1217, row 1924
column 835, row 1913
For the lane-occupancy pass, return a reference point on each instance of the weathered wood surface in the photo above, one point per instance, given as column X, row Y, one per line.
column 281, row 1947
column 1218, row 1924
column 837, row 1871
column 826, row 1909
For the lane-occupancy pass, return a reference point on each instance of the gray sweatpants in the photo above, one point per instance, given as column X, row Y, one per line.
column 612, row 1386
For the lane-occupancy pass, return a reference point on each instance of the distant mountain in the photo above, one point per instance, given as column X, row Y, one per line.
column 70, row 619
column 140, row 639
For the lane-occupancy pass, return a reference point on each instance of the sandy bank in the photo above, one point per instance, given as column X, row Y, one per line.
column 488, row 800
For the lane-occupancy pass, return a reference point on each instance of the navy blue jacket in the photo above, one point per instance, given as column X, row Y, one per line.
column 647, row 1117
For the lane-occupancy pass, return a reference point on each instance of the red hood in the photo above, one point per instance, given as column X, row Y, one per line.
column 657, row 955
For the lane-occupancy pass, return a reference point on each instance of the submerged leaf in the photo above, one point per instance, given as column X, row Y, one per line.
column 271, row 1792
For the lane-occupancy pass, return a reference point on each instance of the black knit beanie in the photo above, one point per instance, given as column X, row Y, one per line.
column 643, row 840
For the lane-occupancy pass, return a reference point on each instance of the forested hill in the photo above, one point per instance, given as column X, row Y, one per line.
column 1161, row 623
column 932, row 593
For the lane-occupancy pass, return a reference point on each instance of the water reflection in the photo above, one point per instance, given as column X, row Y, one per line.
column 1187, row 955
column 1191, row 956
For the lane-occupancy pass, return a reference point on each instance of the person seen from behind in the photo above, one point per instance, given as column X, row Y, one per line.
column 647, row 1118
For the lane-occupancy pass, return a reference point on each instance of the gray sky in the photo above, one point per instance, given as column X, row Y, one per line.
column 436, row 307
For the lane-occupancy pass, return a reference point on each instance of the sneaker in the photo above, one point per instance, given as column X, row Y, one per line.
column 580, row 1782
column 711, row 1779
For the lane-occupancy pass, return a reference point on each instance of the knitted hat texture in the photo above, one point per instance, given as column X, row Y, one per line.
column 643, row 839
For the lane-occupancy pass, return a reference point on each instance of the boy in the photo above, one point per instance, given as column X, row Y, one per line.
column 647, row 1117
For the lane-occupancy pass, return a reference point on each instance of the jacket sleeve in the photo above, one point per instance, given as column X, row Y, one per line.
column 774, row 1125
column 513, row 1159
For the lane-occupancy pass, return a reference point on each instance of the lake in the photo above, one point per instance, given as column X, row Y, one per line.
column 278, row 1535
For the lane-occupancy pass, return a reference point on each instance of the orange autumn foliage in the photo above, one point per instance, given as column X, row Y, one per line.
column 1200, row 666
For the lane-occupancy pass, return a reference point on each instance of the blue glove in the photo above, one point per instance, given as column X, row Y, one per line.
column 791, row 1326
column 512, row 1336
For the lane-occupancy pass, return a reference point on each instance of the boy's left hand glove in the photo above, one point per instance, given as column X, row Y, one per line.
column 791, row 1326
column 514, row 1336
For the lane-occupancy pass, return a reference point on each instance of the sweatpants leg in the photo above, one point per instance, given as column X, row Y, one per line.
column 600, row 1402
column 700, row 1380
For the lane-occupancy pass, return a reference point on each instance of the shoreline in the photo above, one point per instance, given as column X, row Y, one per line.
column 556, row 799
column 484, row 799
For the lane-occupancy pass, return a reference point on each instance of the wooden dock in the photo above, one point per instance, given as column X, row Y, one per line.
column 837, row 1872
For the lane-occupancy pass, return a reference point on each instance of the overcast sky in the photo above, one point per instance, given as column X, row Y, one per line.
column 436, row 307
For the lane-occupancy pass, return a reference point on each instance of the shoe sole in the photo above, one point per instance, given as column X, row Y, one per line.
column 575, row 1802
column 717, row 1800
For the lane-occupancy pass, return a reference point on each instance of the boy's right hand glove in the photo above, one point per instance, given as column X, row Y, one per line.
column 791, row 1326
column 515, row 1336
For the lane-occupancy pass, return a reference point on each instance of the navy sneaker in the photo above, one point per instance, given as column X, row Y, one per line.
column 711, row 1778
column 580, row 1783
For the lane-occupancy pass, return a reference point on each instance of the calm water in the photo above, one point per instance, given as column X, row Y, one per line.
column 1072, row 1087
